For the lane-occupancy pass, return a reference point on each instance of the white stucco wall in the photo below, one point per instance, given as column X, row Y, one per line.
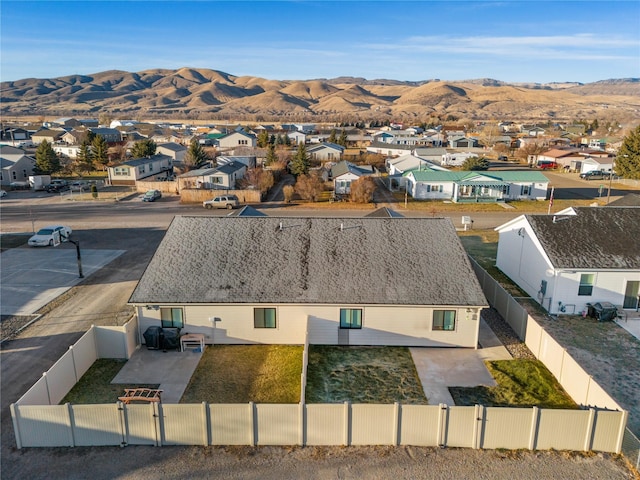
column 381, row 325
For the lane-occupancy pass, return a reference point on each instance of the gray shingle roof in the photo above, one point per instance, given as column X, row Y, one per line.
column 403, row 261
column 595, row 238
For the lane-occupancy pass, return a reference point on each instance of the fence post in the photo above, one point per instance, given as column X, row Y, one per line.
column 591, row 423
column 70, row 424
column 302, row 423
column 73, row 360
column 397, row 411
column 533, row 434
column 205, row 422
column 347, row 424
column 254, row 427
column 442, row 413
column 46, row 384
column 156, row 412
column 623, row 424
column 16, row 424
column 477, row 426
column 124, row 427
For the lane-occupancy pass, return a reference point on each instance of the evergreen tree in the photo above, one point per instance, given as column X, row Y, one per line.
column 475, row 163
column 628, row 159
column 272, row 139
column 333, row 138
column 195, row 154
column 47, row 162
column 287, row 140
column 271, row 154
column 100, row 151
column 85, row 157
column 143, row 148
column 263, row 139
column 343, row 138
column 300, row 162
column 280, row 140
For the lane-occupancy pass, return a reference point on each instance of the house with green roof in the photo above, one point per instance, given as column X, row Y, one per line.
column 476, row 186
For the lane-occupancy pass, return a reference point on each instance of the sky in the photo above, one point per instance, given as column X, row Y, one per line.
column 514, row 41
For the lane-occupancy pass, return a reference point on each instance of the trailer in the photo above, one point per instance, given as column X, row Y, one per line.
column 39, row 182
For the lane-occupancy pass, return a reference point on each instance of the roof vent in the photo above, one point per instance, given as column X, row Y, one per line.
column 343, row 228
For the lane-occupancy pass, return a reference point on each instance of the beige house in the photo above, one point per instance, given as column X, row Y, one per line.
column 156, row 167
column 269, row 280
column 237, row 139
column 16, row 166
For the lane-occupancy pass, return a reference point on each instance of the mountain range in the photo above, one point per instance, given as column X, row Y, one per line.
column 195, row 93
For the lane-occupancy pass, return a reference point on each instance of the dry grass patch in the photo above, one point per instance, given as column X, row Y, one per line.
column 362, row 375
column 247, row 373
column 95, row 385
column 521, row 383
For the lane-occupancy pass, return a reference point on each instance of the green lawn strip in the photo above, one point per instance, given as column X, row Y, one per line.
column 247, row 373
column 95, row 385
column 362, row 375
column 521, row 383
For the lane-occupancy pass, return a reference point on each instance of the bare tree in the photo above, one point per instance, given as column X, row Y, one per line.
column 362, row 190
column 309, row 187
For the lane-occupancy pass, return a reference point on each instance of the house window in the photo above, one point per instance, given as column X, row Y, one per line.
column 350, row 318
column 524, row 189
column 444, row 320
column 586, row 284
column 121, row 171
column 141, row 169
column 24, row 174
column 151, row 167
column 216, row 180
column 172, row 317
column 505, row 189
column 13, row 174
column 264, row 318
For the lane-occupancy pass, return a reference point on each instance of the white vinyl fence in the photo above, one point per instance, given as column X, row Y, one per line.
column 98, row 342
column 317, row 424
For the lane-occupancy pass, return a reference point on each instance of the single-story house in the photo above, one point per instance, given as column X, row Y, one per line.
column 404, row 163
column 462, row 142
column 432, row 154
column 270, row 280
column 326, row 152
column 590, row 163
column 297, row 137
column 110, row 135
column 577, row 256
column 237, row 139
column 222, row 177
column 388, row 149
column 344, row 173
column 15, row 137
column 74, row 137
column 476, row 186
column 174, row 150
column 50, row 136
column 15, row 165
column 155, row 167
column 250, row 161
column 70, row 151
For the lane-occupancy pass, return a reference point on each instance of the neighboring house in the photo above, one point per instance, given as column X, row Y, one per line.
column 432, row 154
column 297, row 137
column 249, row 161
column 344, row 173
column 67, row 122
column 578, row 256
column 590, row 163
column 155, row 167
column 569, row 158
column 70, row 151
column 173, row 150
column 404, row 163
column 110, row 135
column 15, row 137
column 16, row 166
column 456, row 159
column 50, row 136
column 74, row 137
column 388, row 149
column 628, row 200
column 223, row 177
column 236, row 139
column 476, row 186
column 326, row 152
column 270, row 280
column 462, row 142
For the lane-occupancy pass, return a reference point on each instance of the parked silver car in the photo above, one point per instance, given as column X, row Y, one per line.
column 223, row 201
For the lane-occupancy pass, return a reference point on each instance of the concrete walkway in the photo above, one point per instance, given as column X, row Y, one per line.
column 631, row 324
column 440, row 368
column 171, row 369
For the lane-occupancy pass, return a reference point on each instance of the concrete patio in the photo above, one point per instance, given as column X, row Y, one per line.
column 172, row 369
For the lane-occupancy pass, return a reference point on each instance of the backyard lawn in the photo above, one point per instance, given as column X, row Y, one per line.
column 362, row 375
column 95, row 385
column 247, row 373
column 521, row 383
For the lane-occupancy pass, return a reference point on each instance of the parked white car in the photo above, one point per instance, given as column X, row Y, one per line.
column 49, row 236
column 3, row 193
